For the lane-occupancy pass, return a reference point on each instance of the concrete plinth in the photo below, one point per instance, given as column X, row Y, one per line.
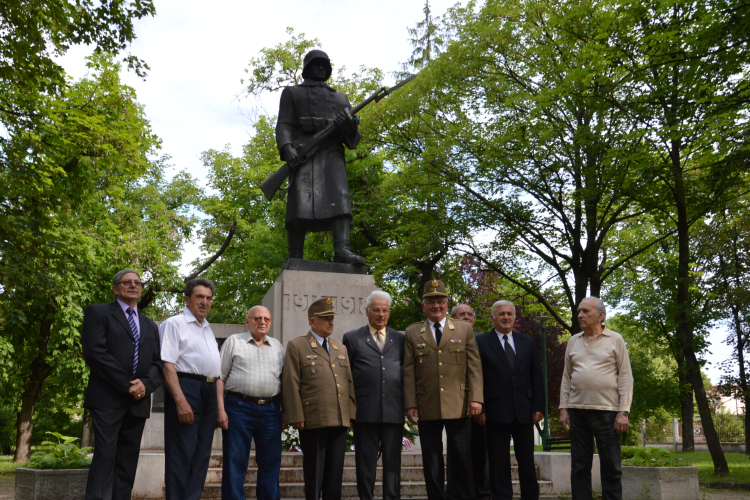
column 294, row 291
column 660, row 483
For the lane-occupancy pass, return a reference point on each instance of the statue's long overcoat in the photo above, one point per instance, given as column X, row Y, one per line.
column 319, row 188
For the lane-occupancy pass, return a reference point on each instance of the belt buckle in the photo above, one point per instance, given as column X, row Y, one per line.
column 210, row 380
column 263, row 401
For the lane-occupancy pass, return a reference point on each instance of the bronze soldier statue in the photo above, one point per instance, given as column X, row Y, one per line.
column 318, row 198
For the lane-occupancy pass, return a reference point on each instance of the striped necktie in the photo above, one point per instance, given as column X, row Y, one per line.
column 134, row 329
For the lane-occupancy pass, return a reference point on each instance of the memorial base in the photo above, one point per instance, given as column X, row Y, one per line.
column 294, row 291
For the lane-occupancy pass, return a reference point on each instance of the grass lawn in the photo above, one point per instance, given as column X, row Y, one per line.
column 7, row 465
column 739, row 467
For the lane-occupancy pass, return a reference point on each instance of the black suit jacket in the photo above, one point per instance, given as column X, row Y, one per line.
column 515, row 393
column 109, row 349
column 377, row 402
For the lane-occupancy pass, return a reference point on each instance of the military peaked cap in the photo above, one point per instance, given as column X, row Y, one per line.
column 321, row 307
column 434, row 288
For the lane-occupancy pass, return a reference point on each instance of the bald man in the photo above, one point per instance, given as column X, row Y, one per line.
column 249, row 394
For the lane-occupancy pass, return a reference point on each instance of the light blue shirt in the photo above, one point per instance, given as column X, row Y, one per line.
column 125, row 308
column 319, row 339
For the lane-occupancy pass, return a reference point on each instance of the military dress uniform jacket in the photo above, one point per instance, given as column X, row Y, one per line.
column 440, row 380
column 319, row 189
column 317, row 388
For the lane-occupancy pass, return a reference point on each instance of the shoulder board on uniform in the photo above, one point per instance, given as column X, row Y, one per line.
column 417, row 323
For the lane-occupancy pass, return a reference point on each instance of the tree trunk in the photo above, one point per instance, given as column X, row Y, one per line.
column 39, row 371
column 684, row 323
column 686, row 407
column 87, row 431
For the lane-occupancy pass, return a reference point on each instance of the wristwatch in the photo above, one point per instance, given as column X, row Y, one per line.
column 625, row 413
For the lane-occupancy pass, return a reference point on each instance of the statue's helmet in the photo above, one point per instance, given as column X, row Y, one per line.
column 315, row 55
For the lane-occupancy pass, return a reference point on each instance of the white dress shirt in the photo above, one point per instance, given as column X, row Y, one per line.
column 510, row 340
column 190, row 346
column 442, row 327
column 250, row 368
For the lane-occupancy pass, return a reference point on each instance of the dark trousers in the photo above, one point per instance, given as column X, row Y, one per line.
column 323, row 461
column 248, row 421
column 369, row 439
column 118, row 444
column 187, row 447
column 585, row 425
column 498, row 451
column 479, row 463
column 458, row 432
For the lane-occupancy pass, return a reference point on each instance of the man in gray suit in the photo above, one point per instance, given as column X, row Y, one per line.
column 376, row 353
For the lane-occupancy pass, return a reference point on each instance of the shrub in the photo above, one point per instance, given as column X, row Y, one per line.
column 654, row 457
column 62, row 455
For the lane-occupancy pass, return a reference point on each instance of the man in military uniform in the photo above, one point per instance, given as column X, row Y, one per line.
column 442, row 388
column 318, row 394
column 318, row 197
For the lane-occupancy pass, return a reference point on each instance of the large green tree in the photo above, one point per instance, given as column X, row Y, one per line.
column 684, row 86
column 84, row 197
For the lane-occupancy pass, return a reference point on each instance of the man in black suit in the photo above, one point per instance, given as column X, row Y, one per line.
column 376, row 353
column 479, row 463
column 513, row 402
column 121, row 347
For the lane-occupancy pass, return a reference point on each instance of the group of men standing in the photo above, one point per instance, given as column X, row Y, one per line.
column 480, row 389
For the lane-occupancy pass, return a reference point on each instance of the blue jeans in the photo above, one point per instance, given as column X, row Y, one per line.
column 248, row 421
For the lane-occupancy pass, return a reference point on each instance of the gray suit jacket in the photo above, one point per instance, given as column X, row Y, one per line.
column 378, row 376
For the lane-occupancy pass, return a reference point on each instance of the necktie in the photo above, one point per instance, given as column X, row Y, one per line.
column 380, row 339
column 438, row 333
column 509, row 352
column 325, row 344
column 136, row 336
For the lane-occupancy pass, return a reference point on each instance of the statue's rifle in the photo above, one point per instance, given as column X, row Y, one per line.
column 305, row 150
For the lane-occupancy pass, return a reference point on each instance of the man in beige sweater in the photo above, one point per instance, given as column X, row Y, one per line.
column 595, row 397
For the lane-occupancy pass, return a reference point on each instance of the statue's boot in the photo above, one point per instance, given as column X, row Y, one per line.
column 296, row 243
column 341, row 250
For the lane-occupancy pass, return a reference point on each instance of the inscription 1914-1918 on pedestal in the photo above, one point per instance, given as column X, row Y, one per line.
column 341, row 305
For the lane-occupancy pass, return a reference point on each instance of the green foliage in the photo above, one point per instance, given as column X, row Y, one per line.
column 85, row 197
column 62, row 454
column 7, row 430
column 654, row 457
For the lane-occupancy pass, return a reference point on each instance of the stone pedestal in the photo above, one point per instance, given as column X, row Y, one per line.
column 294, row 290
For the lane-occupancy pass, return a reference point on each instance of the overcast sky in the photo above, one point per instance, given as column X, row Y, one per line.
column 198, row 51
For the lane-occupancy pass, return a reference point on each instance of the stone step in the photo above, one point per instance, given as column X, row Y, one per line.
column 294, row 459
column 409, row 489
column 295, row 475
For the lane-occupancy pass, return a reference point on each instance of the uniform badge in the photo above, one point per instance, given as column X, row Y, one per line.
column 313, row 344
column 421, row 360
column 455, row 341
column 335, row 346
column 312, row 371
column 424, row 329
column 450, row 325
column 421, row 346
column 311, row 357
column 341, row 356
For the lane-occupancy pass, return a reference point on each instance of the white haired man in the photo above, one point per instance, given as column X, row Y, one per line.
column 376, row 353
column 249, row 397
column 595, row 397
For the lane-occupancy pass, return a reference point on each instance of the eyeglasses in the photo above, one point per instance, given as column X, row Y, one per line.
column 259, row 319
column 127, row 283
column 436, row 302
